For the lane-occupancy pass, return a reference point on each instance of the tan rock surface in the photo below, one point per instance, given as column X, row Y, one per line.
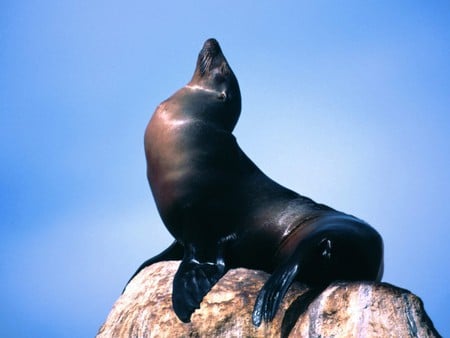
column 342, row 310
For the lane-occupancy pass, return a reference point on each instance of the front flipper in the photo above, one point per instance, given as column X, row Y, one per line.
column 191, row 283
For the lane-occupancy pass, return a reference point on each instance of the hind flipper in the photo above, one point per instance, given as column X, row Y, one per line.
column 275, row 288
column 337, row 247
column 173, row 252
column 272, row 293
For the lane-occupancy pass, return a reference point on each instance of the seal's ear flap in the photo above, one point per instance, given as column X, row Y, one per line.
column 191, row 283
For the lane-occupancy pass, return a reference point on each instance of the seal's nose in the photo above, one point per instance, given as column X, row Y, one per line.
column 210, row 57
column 211, row 43
column 211, row 47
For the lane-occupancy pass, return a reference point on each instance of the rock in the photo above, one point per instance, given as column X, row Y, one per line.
column 344, row 309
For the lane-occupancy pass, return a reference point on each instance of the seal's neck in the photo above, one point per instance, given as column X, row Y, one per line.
column 197, row 87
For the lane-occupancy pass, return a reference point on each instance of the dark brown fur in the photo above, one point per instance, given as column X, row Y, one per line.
column 224, row 212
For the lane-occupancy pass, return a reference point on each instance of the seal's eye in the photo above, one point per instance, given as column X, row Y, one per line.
column 222, row 96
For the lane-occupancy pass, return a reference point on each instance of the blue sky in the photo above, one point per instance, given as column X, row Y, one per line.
column 347, row 103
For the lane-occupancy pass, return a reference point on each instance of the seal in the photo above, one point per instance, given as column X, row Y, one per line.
column 224, row 212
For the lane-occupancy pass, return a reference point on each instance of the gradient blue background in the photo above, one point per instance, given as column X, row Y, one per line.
column 344, row 102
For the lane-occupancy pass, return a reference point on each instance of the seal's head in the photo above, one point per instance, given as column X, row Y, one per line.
column 213, row 77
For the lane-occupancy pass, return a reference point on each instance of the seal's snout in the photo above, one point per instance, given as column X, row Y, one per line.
column 211, row 47
column 210, row 56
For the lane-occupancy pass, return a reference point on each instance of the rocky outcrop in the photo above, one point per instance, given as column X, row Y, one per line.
column 344, row 309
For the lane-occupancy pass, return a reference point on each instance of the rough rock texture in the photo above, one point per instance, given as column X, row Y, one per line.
column 342, row 310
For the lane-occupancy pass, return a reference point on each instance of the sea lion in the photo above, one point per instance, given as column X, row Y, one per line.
column 224, row 212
